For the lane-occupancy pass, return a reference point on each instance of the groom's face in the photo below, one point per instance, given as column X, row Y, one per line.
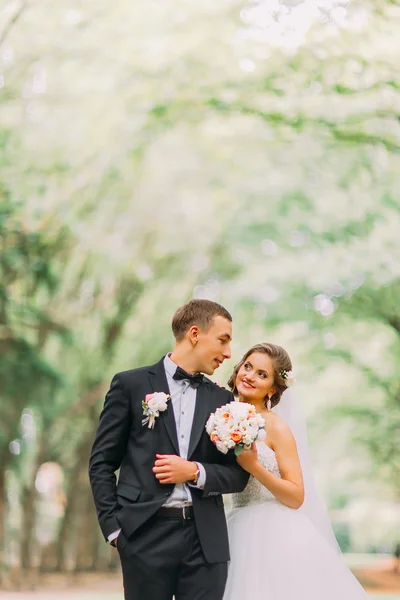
column 213, row 345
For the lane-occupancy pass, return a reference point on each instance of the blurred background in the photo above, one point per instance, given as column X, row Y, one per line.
column 242, row 151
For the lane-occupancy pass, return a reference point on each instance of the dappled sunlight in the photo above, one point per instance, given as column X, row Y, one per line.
column 245, row 152
column 286, row 24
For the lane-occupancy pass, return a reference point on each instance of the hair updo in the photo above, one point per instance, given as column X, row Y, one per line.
column 281, row 363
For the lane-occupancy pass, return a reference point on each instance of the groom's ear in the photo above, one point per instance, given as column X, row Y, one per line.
column 193, row 334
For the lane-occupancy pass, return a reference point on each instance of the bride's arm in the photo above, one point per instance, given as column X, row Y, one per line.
column 288, row 489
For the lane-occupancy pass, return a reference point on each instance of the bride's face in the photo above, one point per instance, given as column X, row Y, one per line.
column 255, row 378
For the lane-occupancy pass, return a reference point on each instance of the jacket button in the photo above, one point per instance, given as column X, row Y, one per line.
column 168, row 494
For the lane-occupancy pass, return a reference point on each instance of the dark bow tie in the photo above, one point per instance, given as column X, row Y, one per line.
column 194, row 380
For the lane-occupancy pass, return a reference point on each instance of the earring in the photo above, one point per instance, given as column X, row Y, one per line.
column 269, row 403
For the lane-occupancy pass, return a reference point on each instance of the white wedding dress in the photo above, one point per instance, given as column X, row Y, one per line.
column 277, row 553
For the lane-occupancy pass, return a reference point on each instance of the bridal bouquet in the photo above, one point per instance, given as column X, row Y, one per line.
column 236, row 425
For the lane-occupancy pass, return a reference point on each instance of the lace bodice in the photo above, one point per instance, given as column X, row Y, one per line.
column 255, row 492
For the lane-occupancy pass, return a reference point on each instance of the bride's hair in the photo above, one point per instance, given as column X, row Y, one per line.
column 281, row 363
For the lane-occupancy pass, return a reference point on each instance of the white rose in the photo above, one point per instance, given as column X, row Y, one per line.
column 260, row 421
column 210, row 424
column 158, row 402
column 262, row 434
column 221, row 447
column 153, row 405
column 238, row 410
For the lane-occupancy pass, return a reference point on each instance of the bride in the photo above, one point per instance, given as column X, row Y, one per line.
column 282, row 545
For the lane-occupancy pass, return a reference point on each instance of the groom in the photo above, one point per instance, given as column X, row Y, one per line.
column 166, row 514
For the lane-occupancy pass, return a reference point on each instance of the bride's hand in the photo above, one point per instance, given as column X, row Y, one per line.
column 248, row 459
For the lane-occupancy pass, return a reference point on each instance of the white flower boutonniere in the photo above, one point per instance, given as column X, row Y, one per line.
column 152, row 405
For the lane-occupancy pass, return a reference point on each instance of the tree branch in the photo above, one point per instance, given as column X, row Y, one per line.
column 300, row 121
column 14, row 19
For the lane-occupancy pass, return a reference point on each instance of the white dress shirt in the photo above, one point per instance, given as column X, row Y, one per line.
column 183, row 401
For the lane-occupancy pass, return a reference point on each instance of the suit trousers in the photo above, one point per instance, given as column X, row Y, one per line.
column 163, row 558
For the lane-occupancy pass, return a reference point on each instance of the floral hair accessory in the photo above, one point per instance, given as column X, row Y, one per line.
column 288, row 376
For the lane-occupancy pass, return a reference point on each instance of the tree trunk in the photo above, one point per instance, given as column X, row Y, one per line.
column 2, row 517
column 86, row 529
column 85, row 522
column 29, row 561
column 76, row 504
column 27, row 526
column 64, row 538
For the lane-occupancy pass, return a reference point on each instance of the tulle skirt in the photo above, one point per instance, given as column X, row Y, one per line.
column 278, row 554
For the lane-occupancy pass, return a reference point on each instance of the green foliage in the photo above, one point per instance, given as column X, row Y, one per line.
column 342, row 535
column 188, row 150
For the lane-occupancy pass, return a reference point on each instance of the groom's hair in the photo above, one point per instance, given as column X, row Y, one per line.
column 196, row 312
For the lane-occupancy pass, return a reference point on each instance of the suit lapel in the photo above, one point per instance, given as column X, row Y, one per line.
column 159, row 383
column 201, row 414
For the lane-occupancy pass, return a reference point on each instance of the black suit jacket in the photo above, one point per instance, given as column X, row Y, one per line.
column 123, row 442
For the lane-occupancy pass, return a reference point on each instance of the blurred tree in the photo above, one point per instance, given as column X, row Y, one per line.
column 246, row 152
column 25, row 275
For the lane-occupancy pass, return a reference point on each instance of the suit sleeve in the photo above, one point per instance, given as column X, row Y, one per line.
column 227, row 478
column 107, row 453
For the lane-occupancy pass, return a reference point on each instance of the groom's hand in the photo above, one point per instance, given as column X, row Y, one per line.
column 170, row 468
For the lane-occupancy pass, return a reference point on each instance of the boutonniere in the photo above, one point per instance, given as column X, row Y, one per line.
column 152, row 405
